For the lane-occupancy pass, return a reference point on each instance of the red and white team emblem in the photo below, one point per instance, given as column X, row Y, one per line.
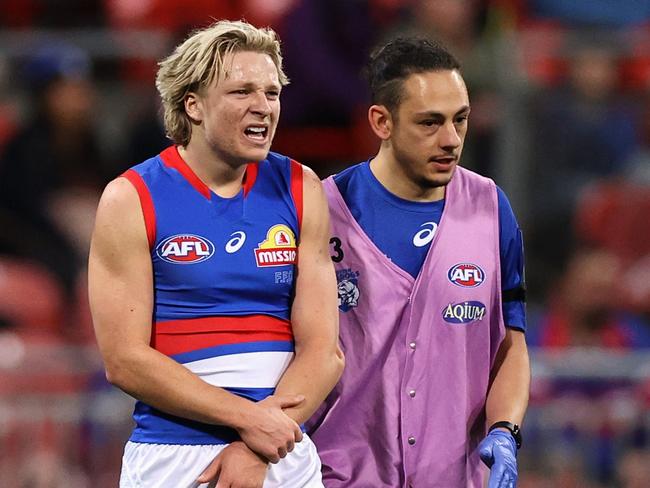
column 466, row 275
column 185, row 249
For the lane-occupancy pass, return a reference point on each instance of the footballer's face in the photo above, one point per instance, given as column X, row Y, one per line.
column 238, row 113
column 429, row 126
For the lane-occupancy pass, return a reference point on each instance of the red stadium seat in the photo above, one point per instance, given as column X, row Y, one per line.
column 30, row 298
column 614, row 216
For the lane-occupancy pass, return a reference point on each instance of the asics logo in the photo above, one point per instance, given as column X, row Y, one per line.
column 425, row 236
column 237, row 241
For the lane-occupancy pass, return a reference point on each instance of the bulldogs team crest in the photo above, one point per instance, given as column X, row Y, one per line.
column 348, row 289
column 278, row 249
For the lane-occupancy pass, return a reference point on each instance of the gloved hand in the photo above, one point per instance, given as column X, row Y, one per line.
column 499, row 452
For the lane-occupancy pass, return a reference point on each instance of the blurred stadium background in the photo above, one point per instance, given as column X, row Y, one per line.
column 560, row 94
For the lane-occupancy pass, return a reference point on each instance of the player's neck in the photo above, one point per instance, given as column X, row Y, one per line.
column 222, row 178
column 392, row 176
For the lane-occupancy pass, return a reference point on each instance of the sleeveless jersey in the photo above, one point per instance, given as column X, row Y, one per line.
column 409, row 409
column 223, row 272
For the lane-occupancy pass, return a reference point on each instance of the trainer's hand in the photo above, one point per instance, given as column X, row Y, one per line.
column 268, row 431
column 236, row 467
column 499, row 452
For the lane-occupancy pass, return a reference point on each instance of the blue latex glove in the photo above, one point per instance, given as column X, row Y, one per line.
column 499, row 452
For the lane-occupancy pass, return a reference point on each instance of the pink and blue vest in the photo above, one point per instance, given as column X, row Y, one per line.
column 409, row 409
column 223, row 282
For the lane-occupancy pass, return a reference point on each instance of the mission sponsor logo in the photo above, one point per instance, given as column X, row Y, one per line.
column 466, row 275
column 463, row 313
column 278, row 249
column 185, row 249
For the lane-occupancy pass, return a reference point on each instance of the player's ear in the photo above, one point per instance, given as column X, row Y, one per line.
column 193, row 107
column 381, row 121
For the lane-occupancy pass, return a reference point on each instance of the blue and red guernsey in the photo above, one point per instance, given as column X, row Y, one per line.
column 223, row 281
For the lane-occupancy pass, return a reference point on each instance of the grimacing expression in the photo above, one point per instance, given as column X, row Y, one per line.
column 239, row 111
column 429, row 126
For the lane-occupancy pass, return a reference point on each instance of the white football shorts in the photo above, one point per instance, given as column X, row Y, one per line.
column 178, row 466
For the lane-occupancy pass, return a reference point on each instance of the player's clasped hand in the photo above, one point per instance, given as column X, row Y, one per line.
column 499, row 452
column 268, row 430
column 236, row 467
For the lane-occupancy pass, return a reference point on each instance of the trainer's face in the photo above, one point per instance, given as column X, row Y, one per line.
column 239, row 112
column 429, row 126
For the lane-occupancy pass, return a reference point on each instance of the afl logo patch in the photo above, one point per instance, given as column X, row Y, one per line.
column 466, row 275
column 278, row 249
column 185, row 249
column 463, row 313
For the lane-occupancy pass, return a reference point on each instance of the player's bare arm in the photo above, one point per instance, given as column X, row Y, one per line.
column 319, row 362
column 121, row 298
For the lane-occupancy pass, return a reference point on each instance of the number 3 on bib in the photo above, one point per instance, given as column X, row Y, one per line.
column 338, row 251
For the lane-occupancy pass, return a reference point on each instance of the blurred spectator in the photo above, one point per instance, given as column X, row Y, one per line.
column 583, row 130
column 326, row 44
column 586, row 129
column 584, row 308
column 51, row 172
column 325, row 48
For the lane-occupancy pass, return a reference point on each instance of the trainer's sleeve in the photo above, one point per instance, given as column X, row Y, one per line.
column 513, row 286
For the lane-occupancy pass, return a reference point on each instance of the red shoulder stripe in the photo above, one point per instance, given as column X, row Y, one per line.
column 172, row 159
column 148, row 210
column 296, row 189
column 250, row 176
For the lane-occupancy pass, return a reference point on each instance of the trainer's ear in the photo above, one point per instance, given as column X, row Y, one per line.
column 381, row 121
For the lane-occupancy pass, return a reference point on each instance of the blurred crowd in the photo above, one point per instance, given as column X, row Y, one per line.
column 560, row 95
